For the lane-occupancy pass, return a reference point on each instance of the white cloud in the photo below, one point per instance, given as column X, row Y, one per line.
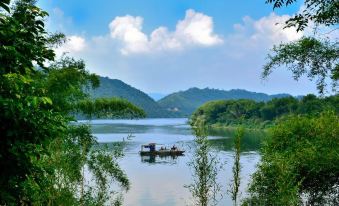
column 235, row 63
column 271, row 27
column 257, row 36
column 196, row 29
column 128, row 30
column 74, row 44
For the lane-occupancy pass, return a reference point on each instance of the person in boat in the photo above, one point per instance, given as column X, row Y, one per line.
column 174, row 148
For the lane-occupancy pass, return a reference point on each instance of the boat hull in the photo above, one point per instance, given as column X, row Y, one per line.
column 162, row 153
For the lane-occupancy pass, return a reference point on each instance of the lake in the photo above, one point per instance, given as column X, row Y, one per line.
column 162, row 181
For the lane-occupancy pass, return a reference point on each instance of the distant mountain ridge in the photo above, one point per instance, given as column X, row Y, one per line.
column 117, row 88
column 178, row 104
column 184, row 103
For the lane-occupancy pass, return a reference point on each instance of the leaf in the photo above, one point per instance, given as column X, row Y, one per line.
column 34, row 101
column 41, row 23
column 5, row 7
column 47, row 100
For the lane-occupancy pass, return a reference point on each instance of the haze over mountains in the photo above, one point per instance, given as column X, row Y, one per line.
column 178, row 104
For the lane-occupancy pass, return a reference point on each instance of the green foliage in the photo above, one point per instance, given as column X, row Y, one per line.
column 111, row 108
column 322, row 12
column 66, row 79
column 300, row 163
column 42, row 156
column 115, row 88
column 261, row 114
column 314, row 56
column 234, row 187
column 205, row 167
column 300, row 158
column 184, row 103
column 307, row 56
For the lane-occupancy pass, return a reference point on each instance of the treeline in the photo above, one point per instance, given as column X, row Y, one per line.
column 262, row 114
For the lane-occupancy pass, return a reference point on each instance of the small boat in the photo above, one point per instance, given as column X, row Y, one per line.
column 174, row 151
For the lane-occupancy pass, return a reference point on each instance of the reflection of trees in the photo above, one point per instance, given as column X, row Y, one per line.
column 250, row 141
column 205, row 166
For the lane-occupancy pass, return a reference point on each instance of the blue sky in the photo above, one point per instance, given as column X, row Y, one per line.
column 94, row 17
column 170, row 45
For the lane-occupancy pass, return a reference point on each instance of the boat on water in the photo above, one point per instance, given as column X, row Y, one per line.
column 163, row 151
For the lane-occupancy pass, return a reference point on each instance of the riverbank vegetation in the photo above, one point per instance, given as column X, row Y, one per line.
column 251, row 114
column 299, row 163
column 300, row 157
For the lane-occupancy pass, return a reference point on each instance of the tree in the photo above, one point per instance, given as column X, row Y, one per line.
column 41, row 153
column 300, row 161
column 324, row 12
column 236, row 169
column 309, row 56
column 314, row 56
column 205, row 167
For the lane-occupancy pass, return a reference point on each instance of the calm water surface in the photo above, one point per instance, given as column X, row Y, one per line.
column 161, row 181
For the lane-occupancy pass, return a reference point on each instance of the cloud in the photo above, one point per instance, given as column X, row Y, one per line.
column 271, row 27
column 190, row 55
column 257, row 36
column 128, row 30
column 73, row 45
column 196, row 29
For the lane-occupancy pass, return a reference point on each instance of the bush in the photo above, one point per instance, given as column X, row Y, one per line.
column 300, row 163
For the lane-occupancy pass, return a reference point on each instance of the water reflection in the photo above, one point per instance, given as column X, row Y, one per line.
column 160, row 180
column 156, row 159
column 251, row 140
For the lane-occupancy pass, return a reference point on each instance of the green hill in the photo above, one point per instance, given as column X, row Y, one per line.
column 117, row 88
column 179, row 104
column 184, row 103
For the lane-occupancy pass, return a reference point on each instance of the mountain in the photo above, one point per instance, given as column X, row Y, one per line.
column 117, row 88
column 179, row 104
column 184, row 103
column 156, row 96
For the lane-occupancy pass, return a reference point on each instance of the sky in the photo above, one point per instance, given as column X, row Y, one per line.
column 163, row 46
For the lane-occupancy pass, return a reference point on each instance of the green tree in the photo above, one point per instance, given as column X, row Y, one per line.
column 299, row 163
column 42, row 155
column 236, row 169
column 300, row 156
column 316, row 58
column 313, row 56
column 205, row 167
column 318, row 11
